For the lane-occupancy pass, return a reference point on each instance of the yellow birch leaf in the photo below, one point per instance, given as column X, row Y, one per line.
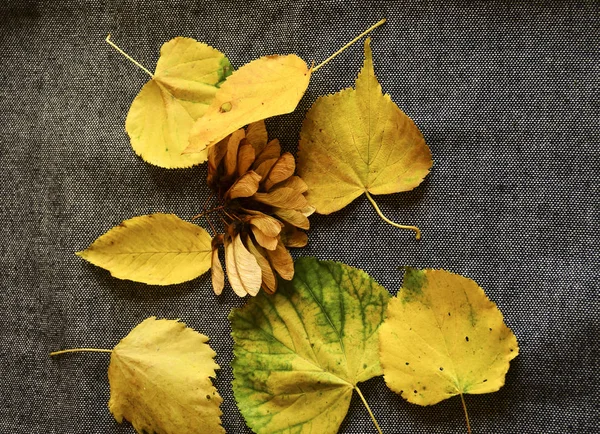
column 187, row 76
column 443, row 337
column 358, row 141
column 160, row 380
column 265, row 87
column 157, row 249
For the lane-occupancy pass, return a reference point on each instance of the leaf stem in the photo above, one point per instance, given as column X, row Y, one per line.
column 368, row 409
column 211, row 225
column 197, row 216
column 373, row 27
column 139, row 65
column 412, row 228
column 466, row 413
column 80, row 350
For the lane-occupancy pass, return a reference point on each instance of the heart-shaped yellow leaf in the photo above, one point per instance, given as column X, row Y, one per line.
column 358, row 141
column 187, row 76
column 443, row 337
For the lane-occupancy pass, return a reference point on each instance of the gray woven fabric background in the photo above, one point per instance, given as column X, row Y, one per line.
column 506, row 94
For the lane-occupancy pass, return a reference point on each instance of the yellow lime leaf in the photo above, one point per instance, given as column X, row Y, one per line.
column 443, row 337
column 187, row 76
column 160, row 380
column 300, row 352
column 265, row 87
column 157, row 249
column 358, row 141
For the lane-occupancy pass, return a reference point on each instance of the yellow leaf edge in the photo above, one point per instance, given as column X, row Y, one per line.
column 196, row 145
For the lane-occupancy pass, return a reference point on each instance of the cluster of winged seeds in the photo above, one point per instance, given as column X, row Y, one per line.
column 262, row 207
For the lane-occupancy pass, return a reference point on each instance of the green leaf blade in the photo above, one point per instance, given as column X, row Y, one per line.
column 300, row 352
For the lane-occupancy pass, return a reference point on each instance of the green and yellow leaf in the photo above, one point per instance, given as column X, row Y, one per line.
column 160, row 380
column 443, row 337
column 157, row 249
column 187, row 77
column 300, row 353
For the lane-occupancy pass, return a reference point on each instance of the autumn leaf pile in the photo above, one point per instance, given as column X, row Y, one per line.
column 318, row 328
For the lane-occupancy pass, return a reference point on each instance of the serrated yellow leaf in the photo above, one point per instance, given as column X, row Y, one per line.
column 358, row 141
column 265, row 87
column 157, row 249
column 443, row 337
column 160, row 380
column 184, row 84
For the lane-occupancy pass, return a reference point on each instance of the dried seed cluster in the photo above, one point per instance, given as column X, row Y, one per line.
column 261, row 206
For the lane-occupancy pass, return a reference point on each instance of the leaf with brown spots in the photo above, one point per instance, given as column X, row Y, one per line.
column 443, row 337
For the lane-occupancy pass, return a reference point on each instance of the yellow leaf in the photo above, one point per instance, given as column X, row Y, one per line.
column 160, row 380
column 157, row 249
column 358, row 141
column 187, row 76
column 443, row 337
column 265, row 87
